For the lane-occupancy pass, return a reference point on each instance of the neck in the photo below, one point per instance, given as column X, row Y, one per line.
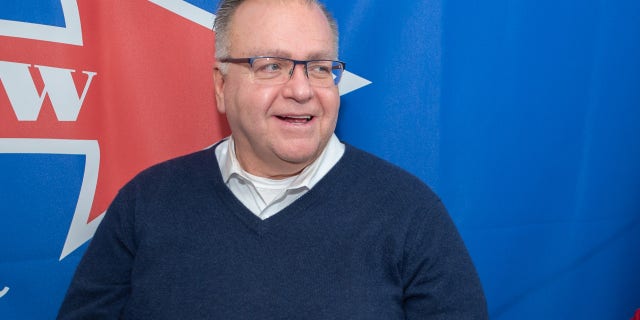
column 274, row 168
column 283, row 171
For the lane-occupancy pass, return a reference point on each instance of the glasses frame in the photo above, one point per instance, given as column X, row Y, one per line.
column 305, row 63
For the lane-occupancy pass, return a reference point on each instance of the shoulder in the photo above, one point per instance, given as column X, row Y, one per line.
column 167, row 188
column 374, row 187
column 363, row 167
column 196, row 163
column 188, row 171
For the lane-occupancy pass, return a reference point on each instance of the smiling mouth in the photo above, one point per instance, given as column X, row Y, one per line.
column 295, row 119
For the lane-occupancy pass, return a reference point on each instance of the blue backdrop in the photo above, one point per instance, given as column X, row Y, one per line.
column 522, row 115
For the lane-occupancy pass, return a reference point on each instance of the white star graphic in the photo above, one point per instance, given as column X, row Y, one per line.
column 4, row 291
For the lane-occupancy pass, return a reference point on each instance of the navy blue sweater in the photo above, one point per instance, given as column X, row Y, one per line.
column 369, row 241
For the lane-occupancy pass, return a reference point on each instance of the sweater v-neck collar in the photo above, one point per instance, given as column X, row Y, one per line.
column 294, row 211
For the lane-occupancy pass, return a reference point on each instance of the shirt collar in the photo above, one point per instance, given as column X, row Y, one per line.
column 230, row 167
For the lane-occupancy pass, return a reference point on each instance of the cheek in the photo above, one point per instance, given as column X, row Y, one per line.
column 330, row 102
column 255, row 101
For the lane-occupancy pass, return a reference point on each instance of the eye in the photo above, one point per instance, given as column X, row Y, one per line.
column 268, row 65
column 319, row 68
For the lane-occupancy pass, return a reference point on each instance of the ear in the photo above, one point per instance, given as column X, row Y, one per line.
column 218, row 83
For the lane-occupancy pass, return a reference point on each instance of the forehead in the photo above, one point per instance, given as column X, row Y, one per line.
column 294, row 29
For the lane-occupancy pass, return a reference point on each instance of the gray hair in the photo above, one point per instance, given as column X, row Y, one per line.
column 223, row 20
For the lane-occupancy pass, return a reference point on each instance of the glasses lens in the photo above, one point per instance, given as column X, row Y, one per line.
column 321, row 73
column 337, row 69
column 271, row 70
column 324, row 73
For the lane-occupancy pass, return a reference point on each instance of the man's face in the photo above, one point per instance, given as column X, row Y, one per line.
column 268, row 122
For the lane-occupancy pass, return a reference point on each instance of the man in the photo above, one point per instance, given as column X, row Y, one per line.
column 281, row 220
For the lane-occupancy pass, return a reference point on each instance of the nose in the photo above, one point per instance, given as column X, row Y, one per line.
column 298, row 87
column 298, row 63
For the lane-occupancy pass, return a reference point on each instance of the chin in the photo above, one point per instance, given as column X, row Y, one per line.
column 300, row 155
column 299, row 159
column 300, row 150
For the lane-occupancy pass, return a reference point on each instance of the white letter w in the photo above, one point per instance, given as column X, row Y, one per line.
column 58, row 84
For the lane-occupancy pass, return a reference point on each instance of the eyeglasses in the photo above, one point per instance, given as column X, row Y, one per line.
column 276, row 70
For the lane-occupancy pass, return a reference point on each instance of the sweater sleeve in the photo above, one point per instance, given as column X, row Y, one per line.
column 440, row 281
column 101, row 284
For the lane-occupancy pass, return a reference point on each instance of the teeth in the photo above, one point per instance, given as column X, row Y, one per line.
column 307, row 118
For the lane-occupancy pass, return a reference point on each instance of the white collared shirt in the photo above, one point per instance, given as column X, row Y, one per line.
column 266, row 197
